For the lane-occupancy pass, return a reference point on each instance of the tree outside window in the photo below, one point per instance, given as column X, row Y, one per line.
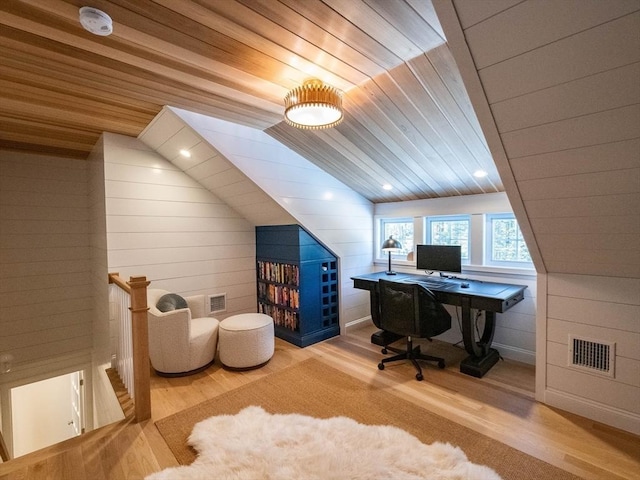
column 450, row 230
column 506, row 243
column 402, row 230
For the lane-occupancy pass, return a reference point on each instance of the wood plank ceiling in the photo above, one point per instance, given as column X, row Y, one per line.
column 408, row 121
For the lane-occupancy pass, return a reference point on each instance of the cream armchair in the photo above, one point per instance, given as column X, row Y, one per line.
column 181, row 341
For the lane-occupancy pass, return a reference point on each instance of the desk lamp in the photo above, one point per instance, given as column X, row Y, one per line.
column 391, row 245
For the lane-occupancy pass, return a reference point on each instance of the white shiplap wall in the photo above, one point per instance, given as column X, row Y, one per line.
column 163, row 224
column 600, row 309
column 270, row 184
column 562, row 81
column 103, row 343
column 106, row 407
column 45, row 259
column 556, row 86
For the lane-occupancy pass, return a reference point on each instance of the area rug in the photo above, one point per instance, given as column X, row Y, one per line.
column 315, row 389
column 256, row 445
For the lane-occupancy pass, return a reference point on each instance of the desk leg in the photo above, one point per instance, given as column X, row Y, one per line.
column 481, row 356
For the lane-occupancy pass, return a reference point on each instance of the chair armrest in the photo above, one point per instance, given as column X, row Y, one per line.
column 196, row 305
column 182, row 314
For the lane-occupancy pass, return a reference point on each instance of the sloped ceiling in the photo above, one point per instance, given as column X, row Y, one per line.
column 408, row 122
column 556, row 86
column 168, row 133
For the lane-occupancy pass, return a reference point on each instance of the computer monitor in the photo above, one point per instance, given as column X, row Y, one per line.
column 442, row 258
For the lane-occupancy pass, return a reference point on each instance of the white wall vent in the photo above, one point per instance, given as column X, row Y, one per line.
column 593, row 356
column 217, row 303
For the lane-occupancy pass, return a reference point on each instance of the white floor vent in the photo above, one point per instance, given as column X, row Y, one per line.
column 592, row 355
column 217, row 303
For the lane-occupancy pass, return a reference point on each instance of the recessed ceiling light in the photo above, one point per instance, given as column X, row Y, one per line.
column 480, row 174
column 386, row 186
column 185, row 153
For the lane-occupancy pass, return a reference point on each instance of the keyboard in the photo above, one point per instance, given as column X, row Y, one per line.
column 435, row 283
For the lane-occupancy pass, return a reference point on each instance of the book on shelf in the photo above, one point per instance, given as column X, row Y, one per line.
column 279, row 272
column 279, row 294
column 281, row 317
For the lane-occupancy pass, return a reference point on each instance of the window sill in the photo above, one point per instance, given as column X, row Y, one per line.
column 515, row 271
column 466, row 269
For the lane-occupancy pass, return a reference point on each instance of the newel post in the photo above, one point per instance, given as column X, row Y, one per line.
column 140, row 340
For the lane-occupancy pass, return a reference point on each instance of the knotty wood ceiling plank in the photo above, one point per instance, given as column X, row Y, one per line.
column 29, row 132
column 391, row 171
column 428, row 116
column 75, row 68
column 121, row 55
column 266, row 38
column 464, row 124
column 48, row 149
column 86, row 64
column 78, row 119
column 395, row 138
column 177, row 38
column 235, row 60
column 444, row 64
column 378, row 27
column 419, row 130
column 333, row 158
column 51, row 84
column 357, row 34
column 405, row 20
column 284, row 34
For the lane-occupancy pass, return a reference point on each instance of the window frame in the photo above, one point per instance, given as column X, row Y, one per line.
column 381, row 236
column 488, row 235
column 451, row 218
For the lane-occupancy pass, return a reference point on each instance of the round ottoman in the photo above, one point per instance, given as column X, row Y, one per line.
column 246, row 340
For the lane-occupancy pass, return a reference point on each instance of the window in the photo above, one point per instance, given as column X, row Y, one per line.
column 450, row 230
column 505, row 244
column 402, row 230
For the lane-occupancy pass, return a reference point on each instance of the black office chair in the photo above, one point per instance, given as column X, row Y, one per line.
column 411, row 310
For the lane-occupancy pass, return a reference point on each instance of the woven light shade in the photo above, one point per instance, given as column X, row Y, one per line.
column 313, row 105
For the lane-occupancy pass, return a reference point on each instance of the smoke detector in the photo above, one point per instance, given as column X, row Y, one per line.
column 96, row 21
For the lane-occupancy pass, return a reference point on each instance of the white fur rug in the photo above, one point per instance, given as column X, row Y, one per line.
column 256, row 445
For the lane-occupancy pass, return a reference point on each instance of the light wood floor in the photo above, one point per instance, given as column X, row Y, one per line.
column 500, row 405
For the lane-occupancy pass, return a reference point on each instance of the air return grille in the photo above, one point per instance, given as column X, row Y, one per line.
column 217, row 303
column 592, row 356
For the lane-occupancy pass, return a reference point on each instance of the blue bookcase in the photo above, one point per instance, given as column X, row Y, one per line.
column 297, row 281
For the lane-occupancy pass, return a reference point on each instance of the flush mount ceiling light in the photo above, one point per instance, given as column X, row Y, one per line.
column 313, row 105
column 96, row 21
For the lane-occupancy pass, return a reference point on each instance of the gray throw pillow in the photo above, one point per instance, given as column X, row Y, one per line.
column 171, row 301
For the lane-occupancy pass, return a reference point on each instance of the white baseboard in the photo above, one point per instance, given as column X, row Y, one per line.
column 611, row 416
column 515, row 353
column 354, row 324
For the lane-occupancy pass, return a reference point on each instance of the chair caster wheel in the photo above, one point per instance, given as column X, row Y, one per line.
column 381, row 366
column 419, row 377
column 440, row 364
column 384, row 351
